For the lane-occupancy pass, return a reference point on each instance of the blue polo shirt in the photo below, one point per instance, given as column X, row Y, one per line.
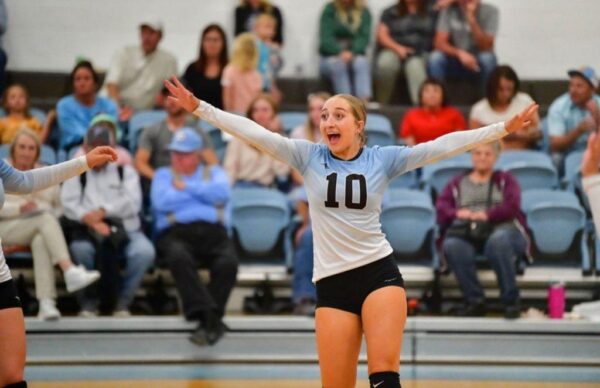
column 564, row 116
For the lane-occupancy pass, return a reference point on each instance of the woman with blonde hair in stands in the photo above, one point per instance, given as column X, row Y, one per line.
column 310, row 129
column 249, row 166
column 240, row 80
column 32, row 221
column 359, row 288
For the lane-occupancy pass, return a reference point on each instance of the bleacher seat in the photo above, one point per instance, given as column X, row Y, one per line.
column 290, row 120
column 47, row 155
column 377, row 121
column 437, row 175
column 532, row 169
column 141, row 120
column 408, row 221
column 219, row 145
column 260, row 221
column 408, row 180
column 557, row 223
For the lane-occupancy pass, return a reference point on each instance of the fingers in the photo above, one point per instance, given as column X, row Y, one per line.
column 172, row 88
column 178, row 83
column 173, row 99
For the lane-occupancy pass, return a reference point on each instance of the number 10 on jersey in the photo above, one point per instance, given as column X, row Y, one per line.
column 350, row 204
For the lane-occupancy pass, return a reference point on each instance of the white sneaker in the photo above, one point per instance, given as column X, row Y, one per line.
column 124, row 313
column 48, row 310
column 88, row 314
column 77, row 277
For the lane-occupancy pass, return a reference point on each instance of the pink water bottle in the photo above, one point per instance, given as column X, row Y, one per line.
column 556, row 300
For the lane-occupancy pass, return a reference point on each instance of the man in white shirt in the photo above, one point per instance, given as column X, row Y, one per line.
column 103, row 206
column 136, row 73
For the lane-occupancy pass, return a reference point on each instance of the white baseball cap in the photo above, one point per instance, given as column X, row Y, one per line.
column 154, row 24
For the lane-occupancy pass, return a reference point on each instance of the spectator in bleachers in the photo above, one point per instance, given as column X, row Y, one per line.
column 269, row 54
column 75, row 111
column 464, row 42
column 241, row 81
column 248, row 166
column 203, row 76
column 304, row 293
column 433, row 118
column 480, row 200
column 575, row 114
column 405, row 37
column 188, row 199
column 590, row 170
column 503, row 100
column 103, row 207
column 32, row 221
column 136, row 73
column 247, row 12
column 153, row 152
column 310, row 130
column 344, row 33
column 109, row 121
column 15, row 102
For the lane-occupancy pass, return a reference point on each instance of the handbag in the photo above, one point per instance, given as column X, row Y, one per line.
column 474, row 231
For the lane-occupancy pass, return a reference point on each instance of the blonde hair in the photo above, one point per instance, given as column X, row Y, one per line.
column 26, row 132
column 355, row 10
column 245, row 53
column 359, row 111
column 265, row 17
column 309, row 124
column 263, row 3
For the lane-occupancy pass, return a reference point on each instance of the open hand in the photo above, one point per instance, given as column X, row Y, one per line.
column 180, row 95
column 101, row 155
column 522, row 120
column 590, row 164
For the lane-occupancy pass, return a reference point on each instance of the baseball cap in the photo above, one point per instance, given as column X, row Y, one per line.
column 186, row 140
column 109, row 120
column 586, row 73
column 99, row 135
column 154, row 24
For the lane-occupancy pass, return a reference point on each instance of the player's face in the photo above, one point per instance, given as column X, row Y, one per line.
column 25, row 152
column 339, row 128
column 580, row 90
column 506, row 91
column 83, row 82
column 483, row 157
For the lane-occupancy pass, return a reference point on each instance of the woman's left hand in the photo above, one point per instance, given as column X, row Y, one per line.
column 101, row 155
column 522, row 120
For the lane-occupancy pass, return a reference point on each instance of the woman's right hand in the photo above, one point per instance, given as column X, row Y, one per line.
column 180, row 95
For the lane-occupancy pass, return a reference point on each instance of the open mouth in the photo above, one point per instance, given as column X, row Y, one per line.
column 333, row 137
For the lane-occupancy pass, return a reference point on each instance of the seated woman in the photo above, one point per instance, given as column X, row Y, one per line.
column 502, row 102
column 247, row 166
column 480, row 212
column 15, row 102
column 31, row 220
column 76, row 110
column 433, row 118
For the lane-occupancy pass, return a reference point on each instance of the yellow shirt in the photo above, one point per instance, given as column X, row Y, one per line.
column 9, row 126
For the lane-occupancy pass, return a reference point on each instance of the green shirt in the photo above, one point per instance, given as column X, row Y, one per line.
column 336, row 35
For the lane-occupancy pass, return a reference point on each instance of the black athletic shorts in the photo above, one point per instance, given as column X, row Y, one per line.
column 8, row 295
column 348, row 290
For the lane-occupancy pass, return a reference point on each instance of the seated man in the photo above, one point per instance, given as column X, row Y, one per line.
column 136, row 73
column 103, row 206
column 188, row 198
column 574, row 115
column 464, row 42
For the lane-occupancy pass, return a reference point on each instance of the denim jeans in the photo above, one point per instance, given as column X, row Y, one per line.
column 502, row 249
column 440, row 65
column 343, row 75
column 139, row 254
column 302, row 285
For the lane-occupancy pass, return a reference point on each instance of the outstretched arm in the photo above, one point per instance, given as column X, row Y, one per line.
column 293, row 152
column 458, row 142
column 22, row 182
column 590, row 169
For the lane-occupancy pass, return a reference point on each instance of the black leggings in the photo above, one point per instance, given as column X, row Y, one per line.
column 8, row 295
column 348, row 290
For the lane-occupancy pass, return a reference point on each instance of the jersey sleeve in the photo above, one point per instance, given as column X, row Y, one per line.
column 291, row 151
column 398, row 160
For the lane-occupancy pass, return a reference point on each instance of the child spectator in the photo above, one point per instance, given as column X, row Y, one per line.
column 247, row 12
column 269, row 55
column 15, row 102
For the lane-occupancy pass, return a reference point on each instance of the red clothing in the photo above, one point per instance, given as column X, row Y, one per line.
column 425, row 126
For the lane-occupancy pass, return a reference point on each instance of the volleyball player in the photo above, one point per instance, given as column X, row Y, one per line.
column 359, row 288
column 12, row 324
